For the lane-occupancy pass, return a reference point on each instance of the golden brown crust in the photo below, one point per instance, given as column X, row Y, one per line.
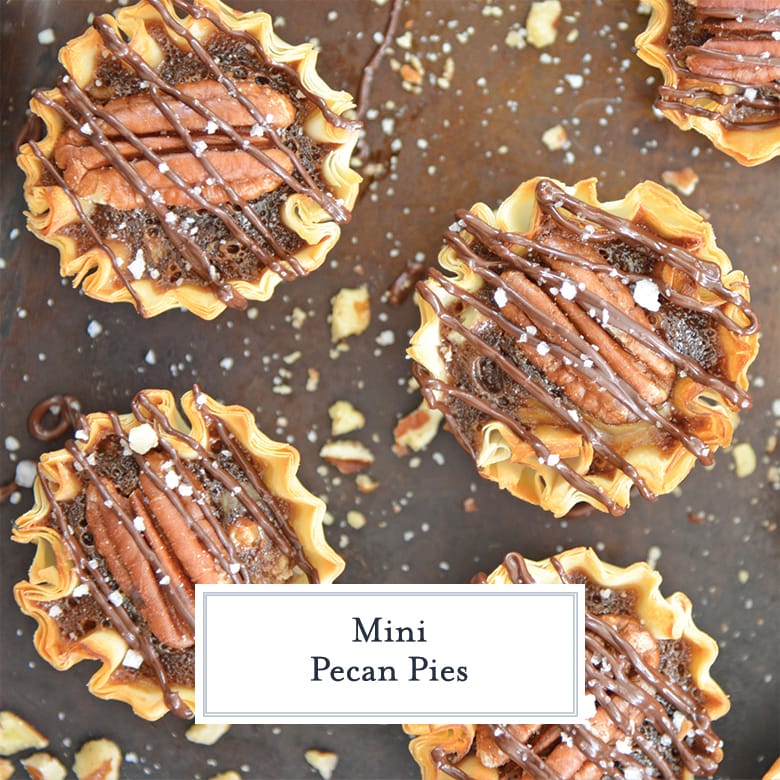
column 748, row 146
column 53, row 576
column 107, row 278
column 669, row 618
column 509, row 459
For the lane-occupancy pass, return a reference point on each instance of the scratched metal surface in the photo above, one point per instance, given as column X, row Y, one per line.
column 447, row 148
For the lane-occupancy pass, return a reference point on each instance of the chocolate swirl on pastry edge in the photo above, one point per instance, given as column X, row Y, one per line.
column 634, row 696
column 151, row 575
column 493, row 254
column 95, row 126
column 749, row 104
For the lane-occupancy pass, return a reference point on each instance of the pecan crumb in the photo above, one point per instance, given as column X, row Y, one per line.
column 16, row 734
column 555, row 138
column 206, row 733
column 345, row 418
column 365, row 483
column 98, row 759
column 542, row 21
column 470, row 505
column 744, row 459
column 417, row 430
column 684, row 180
column 347, row 456
column 43, row 766
column 324, row 761
column 350, row 312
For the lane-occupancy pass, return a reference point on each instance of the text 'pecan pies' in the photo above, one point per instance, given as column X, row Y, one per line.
column 138, row 508
column 577, row 349
column 720, row 61
column 191, row 161
column 647, row 674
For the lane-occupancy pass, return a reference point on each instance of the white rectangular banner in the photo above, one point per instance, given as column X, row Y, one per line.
column 390, row 654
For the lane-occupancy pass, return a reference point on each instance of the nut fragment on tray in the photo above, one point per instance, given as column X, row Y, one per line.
column 189, row 161
column 578, row 349
column 138, row 508
column 720, row 61
column 647, row 673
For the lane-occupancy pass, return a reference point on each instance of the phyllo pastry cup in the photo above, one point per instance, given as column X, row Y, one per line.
column 647, row 677
column 137, row 509
column 720, row 61
column 190, row 159
column 578, row 349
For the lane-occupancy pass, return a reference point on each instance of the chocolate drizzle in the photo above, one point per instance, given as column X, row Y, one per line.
column 91, row 120
column 638, row 706
column 155, row 517
column 730, row 57
column 547, row 263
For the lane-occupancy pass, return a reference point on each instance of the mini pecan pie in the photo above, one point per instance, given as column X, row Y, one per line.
column 136, row 510
column 577, row 349
column 720, row 61
column 647, row 675
column 190, row 161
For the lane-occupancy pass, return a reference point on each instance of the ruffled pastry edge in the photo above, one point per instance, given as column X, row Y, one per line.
column 512, row 463
column 50, row 209
column 52, row 575
column 747, row 147
column 669, row 618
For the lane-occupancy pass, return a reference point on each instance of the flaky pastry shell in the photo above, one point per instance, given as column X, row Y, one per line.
column 54, row 574
column 664, row 618
column 702, row 104
column 543, row 448
column 310, row 214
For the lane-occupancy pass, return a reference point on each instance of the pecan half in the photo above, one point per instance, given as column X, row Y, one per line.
column 179, row 529
column 247, row 176
column 565, row 760
column 640, row 367
column 128, row 566
column 88, row 167
column 742, row 60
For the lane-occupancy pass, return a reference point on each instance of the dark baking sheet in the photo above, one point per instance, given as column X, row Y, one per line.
column 476, row 140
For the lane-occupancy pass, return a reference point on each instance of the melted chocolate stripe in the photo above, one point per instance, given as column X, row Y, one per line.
column 200, row 499
column 727, row 56
column 560, row 407
column 762, row 112
column 273, row 525
column 67, row 414
column 116, row 263
column 505, row 240
column 118, row 616
column 704, row 273
column 601, row 372
column 433, row 386
column 591, row 225
column 182, row 606
column 137, row 63
column 267, row 500
column 201, row 12
column 672, row 692
column 325, row 199
column 187, row 247
column 369, row 71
